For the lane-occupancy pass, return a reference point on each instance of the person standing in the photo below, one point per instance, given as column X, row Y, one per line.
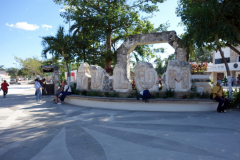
column 4, row 86
column 232, row 81
column 38, row 89
column 225, row 81
column 219, row 96
column 237, row 81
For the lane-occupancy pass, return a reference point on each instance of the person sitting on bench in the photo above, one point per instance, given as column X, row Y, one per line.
column 59, row 91
column 66, row 91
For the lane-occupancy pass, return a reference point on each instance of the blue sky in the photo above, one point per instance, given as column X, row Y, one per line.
column 24, row 22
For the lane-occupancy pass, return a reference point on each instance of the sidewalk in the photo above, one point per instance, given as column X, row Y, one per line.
column 46, row 131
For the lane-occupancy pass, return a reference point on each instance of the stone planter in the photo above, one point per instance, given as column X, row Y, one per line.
column 202, row 82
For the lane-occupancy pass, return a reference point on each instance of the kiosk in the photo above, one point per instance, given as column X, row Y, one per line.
column 50, row 89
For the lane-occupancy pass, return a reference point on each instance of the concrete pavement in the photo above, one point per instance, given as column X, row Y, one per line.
column 45, row 131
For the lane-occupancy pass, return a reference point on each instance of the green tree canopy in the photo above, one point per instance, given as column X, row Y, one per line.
column 109, row 20
column 60, row 45
column 30, row 65
column 2, row 68
column 211, row 24
column 12, row 72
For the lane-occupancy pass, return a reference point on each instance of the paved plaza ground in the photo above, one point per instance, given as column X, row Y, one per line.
column 45, row 131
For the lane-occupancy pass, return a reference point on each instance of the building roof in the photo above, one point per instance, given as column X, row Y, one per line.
column 3, row 72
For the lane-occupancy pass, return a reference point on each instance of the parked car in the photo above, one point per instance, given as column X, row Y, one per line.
column 13, row 81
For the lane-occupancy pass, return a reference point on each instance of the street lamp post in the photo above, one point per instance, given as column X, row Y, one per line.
column 16, row 72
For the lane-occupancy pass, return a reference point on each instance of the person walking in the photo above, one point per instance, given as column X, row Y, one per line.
column 219, row 96
column 38, row 89
column 4, row 87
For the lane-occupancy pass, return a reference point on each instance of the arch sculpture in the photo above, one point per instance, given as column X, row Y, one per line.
column 123, row 52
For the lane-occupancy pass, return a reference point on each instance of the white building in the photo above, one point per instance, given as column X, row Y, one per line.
column 218, row 68
column 4, row 76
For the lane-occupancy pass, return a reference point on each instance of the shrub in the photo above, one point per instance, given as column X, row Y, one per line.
column 205, row 95
column 77, row 92
column 114, row 94
column 84, row 92
column 236, row 98
column 185, row 97
column 93, row 93
column 156, row 95
column 170, row 93
column 106, row 94
column 73, row 88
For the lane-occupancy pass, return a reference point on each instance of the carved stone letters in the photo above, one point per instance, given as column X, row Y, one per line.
column 177, row 76
column 83, row 77
column 100, row 79
column 120, row 80
column 146, row 77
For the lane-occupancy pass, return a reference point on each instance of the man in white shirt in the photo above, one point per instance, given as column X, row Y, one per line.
column 66, row 91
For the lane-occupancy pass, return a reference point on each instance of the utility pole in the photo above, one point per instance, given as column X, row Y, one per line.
column 69, row 73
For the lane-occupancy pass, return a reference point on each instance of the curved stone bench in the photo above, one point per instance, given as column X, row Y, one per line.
column 131, row 104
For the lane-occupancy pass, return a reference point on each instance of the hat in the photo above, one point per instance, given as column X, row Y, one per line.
column 37, row 78
column 219, row 81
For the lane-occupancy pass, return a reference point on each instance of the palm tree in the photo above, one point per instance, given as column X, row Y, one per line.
column 60, row 45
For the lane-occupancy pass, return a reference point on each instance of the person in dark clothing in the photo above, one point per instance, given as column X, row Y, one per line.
column 145, row 95
column 4, row 87
column 59, row 91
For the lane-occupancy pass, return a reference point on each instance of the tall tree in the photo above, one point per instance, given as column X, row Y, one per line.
column 2, row 68
column 212, row 23
column 32, row 65
column 161, row 65
column 60, row 45
column 202, row 55
column 107, row 17
column 12, row 72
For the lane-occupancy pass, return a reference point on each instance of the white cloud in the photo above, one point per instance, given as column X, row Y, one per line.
column 24, row 25
column 45, row 26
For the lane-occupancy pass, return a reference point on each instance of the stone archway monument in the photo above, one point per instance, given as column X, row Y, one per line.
column 170, row 37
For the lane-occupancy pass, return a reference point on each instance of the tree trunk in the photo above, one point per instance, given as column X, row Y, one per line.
column 67, row 68
column 228, row 72
column 196, row 59
column 108, row 48
column 226, row 65
column 108, row 64
column 234, row 49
